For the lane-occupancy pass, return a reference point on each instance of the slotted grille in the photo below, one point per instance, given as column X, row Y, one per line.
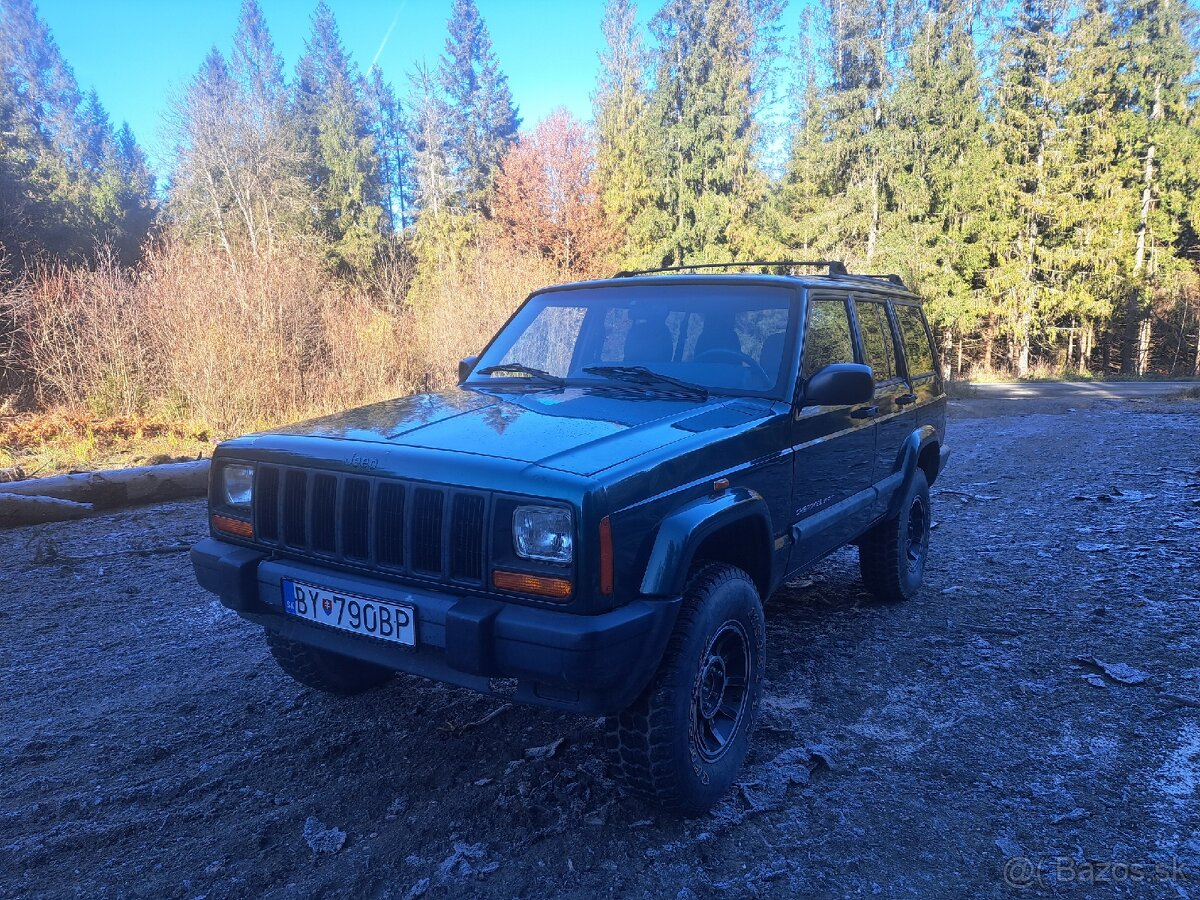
column 321, row 526
column 266, row 504
column 389, row 515
column 294, row 487
column 356, row 518
column 427, row 530
column 466, row 548
column 395, row 525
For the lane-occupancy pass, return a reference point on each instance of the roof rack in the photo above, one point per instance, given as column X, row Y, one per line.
column 835, row 267
column 891, row 276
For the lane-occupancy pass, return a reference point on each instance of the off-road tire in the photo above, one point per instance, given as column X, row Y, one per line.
column 892, row 555
column 325, row 671
column 661, row 746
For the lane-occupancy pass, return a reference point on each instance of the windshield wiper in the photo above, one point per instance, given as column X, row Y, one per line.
column 648, row 377
column 522, row 369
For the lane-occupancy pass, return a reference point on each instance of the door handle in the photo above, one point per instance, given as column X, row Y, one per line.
column 865, row 412
column 906, row 399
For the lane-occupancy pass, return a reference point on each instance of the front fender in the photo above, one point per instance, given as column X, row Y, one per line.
column 682, row 532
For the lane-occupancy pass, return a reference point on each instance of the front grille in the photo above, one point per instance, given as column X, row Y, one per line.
column 400, row 526
column 466, row 552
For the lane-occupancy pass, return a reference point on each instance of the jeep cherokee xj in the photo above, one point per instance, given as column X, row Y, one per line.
column 593, row 518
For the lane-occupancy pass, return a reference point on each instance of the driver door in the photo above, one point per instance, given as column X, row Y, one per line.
column 834, row 446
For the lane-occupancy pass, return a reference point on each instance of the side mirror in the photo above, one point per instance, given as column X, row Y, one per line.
column 840, row 384
column 465, row 365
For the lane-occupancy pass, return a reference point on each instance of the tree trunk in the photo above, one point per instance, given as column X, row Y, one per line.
column 1137, row 327
column 18, row 509
column 1087, row 343
column 1143, row 346
column 122, row 487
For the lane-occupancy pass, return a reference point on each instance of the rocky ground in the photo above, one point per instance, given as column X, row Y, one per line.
column 1029, row 724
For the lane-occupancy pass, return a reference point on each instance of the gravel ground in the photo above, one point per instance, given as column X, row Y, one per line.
column 1033, row 716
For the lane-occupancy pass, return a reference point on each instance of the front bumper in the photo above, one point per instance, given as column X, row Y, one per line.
column 589, row 664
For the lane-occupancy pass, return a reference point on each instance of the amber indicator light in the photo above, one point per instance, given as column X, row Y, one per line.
column 233, row 526
column 558, row 588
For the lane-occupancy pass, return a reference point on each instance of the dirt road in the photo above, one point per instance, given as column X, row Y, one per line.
column 1081, row 390
column 1034, row 714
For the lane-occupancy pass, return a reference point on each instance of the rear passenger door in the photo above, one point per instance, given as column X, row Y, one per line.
column 920, row 366
column 834, row 447
column 895, row 415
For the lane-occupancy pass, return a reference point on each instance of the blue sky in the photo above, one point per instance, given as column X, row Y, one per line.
column 135, row 52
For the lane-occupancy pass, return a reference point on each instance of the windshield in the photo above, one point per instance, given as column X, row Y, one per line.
column 724, row 339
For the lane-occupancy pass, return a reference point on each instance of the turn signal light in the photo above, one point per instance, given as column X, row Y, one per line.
column 236, row 527
column 558, row 588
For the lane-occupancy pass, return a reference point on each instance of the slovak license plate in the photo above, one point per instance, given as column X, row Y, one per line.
column 380, row 619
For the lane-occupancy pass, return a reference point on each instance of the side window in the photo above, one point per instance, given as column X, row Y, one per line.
column 827, row 337
column 876, row 338
column 917, row 351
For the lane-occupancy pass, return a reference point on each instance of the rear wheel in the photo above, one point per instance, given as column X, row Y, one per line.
column 682, row 742
column 892, row 555
column 325, row 671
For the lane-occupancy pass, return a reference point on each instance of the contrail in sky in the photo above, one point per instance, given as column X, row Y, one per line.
column 386, row 38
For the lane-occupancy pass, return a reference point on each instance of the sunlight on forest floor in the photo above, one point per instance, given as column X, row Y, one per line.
column 60, row 440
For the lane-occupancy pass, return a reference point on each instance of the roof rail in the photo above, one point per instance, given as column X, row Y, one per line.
column 835, row 267
column 892, row 277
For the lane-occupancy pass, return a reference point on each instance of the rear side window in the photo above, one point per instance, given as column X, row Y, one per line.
column 827, row 337
column 877, row 339
column 917, row 351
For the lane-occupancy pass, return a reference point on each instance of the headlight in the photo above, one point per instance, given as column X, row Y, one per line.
column 237, row 486
column 544, row 533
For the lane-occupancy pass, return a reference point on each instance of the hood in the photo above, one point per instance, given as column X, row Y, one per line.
column 581, row 431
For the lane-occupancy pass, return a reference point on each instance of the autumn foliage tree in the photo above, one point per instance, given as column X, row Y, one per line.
column 547, row 200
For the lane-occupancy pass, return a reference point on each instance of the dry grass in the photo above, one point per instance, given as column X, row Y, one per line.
column 194, row 344
column 63, row 440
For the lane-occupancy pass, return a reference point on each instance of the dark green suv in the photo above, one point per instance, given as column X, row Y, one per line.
column 592, row 519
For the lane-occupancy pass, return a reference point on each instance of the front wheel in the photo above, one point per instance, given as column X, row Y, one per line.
column 892, row 555
column 682, row 742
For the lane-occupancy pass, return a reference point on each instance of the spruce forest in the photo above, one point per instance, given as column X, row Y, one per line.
column 325, row 236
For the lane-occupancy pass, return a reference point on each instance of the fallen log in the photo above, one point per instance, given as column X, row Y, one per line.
column 21, row 509
column 121, row 487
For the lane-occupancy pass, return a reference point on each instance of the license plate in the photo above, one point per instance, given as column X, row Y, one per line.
column 380, row 619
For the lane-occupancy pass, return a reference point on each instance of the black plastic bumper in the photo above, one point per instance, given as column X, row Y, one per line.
column 589, row 664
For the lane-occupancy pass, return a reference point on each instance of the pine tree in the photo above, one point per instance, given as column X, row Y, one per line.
column 427, row 143
column 709, row 189
column 803, row 220
column 1092, row 238
column 335, row 132
column 1156, row 58
column 624, row 139
column 941, row 187
column 481, row 118
column 395, row 167
column 1023, row 283
column 62, row 192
